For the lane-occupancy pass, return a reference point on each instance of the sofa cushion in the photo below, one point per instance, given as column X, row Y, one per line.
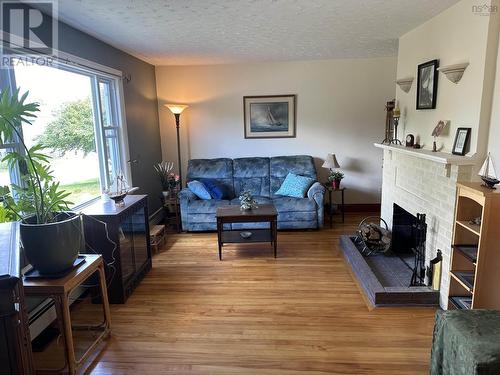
column 280, row 166
column 220, row 170
column 295, row 186
column 216, row 189
column 205, row 206
column 199, row 189
column 251, row 174
column 290, row 204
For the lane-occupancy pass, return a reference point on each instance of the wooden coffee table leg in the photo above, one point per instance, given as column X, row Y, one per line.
column 274, row 229
column 219, row 237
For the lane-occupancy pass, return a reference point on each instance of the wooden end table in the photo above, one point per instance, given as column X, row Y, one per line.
column 171, row 205
column 331, row 190
column 59, row 290
column 233, row 214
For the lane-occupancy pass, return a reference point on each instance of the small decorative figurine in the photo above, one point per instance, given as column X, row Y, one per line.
column 246, row 201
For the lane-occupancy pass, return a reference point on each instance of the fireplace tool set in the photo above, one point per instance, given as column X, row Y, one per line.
column 420, row 232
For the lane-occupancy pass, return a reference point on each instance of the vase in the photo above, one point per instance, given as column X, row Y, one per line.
column 53, row 247
column 336, row 184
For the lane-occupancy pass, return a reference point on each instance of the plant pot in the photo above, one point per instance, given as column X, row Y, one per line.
column 52, row 248
column 336, row 184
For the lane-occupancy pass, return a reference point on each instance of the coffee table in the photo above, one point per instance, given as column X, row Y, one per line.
column 233, row 214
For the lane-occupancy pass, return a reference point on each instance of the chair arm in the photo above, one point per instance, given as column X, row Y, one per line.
column 186, row 195
column 316, row 192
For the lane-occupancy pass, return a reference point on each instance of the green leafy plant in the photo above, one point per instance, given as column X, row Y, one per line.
column 72, row 129
column 38, row 197
column 168, row 179
column 335, row 176
column 246, row 201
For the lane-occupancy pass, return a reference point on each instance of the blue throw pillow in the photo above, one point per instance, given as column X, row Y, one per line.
column 295, row 186
column 198, row 189
column 215, row 188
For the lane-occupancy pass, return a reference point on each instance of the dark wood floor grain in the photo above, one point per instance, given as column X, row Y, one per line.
column 301, row 313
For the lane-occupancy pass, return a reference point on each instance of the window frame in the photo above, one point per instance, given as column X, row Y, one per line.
column 97, row 73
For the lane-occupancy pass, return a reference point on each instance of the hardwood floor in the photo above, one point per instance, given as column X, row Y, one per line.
column 301, row 313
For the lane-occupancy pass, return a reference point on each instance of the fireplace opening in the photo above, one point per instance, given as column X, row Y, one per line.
column 403, row 231
column 408, row 241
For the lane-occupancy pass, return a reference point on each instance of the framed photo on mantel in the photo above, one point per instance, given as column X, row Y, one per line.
column 269, row 116
column 427, row 84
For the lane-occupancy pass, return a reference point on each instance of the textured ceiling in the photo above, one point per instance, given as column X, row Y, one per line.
column 190, row 32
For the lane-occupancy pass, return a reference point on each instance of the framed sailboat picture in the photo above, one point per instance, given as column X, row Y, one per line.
column 270, row 116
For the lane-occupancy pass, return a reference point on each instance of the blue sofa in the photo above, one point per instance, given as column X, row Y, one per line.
column 262, row 177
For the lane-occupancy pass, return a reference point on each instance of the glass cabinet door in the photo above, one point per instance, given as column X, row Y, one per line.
column 140, row 237
column 126, row 237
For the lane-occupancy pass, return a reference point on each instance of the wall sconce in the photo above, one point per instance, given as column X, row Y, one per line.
column 454, row 72
column 405, row 83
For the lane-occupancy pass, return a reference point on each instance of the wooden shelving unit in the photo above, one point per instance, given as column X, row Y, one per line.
column 475, row 257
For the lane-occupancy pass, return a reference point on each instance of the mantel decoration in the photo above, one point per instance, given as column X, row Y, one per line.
column 247, row 202
column 396, row 115
column 488, row 173
column 335, row 175
column 461, row 141
column 427, row 82
column 405, row 83
column 389, row 107
column 438, row 130
column 454, row 72
column 50, row 234
column 271, row 116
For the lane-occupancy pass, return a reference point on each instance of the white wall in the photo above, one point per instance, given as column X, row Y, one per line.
column 340, row 109
column 494, row 136
column 456, row 35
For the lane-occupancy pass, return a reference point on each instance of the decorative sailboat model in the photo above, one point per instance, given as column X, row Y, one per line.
column 488, row 173
column 118, row 190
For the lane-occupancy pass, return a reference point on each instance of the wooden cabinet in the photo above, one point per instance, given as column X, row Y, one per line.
column 475, row 258
column 121, row 235
column 15, row 344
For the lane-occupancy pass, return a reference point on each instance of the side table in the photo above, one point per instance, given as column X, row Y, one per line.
column 331, row 190
column 59, row 290
column 171, row 205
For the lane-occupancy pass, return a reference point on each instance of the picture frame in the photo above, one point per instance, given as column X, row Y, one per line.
column 461, row 143
column 269, row 116
column 427, row 84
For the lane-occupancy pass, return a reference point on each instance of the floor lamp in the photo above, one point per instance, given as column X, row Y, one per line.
column 177, row 109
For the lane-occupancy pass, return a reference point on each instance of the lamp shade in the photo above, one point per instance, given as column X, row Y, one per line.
column 331, row 162
column 176, row 108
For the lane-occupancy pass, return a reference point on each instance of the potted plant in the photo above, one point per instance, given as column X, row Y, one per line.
column 246, row 201
column 51, row 235
column 168, row 179
column 335, row 178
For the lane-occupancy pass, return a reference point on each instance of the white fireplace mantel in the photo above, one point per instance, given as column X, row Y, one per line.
column 438, row 157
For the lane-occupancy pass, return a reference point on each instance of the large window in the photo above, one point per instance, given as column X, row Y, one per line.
column 79, row 122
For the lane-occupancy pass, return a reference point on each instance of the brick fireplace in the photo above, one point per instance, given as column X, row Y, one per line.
column 421, row 181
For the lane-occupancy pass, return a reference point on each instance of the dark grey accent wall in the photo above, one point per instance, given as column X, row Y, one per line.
column 141, row 104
